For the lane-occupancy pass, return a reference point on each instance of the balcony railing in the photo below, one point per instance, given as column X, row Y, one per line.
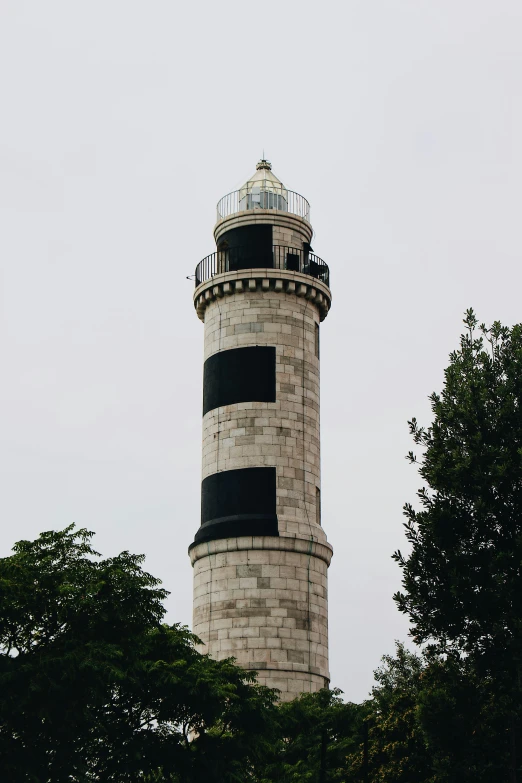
column 252, row 196
column 234, row 259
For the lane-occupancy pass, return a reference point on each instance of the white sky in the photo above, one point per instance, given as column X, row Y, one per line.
column 121, row 125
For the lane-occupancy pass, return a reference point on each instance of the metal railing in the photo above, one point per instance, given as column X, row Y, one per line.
column 253, row 196
column 234, row 259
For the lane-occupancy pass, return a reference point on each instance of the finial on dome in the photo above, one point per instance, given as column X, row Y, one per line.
column 264, row 164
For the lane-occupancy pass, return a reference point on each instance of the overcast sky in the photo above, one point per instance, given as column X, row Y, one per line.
column 121, row 125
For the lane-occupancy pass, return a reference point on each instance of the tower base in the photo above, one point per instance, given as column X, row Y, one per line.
column 263, row 601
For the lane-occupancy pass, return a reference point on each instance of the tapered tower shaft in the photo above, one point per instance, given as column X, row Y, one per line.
column 260, row 556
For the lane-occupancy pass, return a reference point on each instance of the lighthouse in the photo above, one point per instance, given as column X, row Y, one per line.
column 260, row 555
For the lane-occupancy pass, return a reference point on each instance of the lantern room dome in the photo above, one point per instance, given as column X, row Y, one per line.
column 263, row 190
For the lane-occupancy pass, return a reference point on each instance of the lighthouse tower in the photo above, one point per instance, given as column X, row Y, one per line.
column 261, row 556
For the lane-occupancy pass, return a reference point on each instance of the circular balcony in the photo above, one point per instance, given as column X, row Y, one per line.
column 234, row 259
column 254, row 195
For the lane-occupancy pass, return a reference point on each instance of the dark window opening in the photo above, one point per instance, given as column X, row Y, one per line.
column 292, row 262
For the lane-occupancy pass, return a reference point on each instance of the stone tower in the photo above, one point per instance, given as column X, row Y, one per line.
column 260, row 556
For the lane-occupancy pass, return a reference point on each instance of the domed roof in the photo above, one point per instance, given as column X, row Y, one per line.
column 263, row 189
column 264, row 176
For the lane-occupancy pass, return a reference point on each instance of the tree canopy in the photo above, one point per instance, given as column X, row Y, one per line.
column 462, row 579
column 94, row 687
column 462, row 586
column 318, row 739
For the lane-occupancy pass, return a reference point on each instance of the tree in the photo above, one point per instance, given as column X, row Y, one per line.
column 462, row 719
column 317, row 734
column 94, row 687
column 433, row 720
column 462, row 581
column 397, row 747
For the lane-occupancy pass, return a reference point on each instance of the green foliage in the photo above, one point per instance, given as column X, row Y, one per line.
column 462, row 580
column 433, row 720
column 462, row 718
column 94, row 687
column 316, row 734
column 397, row 748
column 429, row 720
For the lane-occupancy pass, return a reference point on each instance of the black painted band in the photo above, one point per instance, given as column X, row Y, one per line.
column 239, row 502
column 239, row 375
column 235, row 526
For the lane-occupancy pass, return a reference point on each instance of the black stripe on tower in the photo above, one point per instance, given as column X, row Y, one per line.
column 239, row 375
column 238, row 502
